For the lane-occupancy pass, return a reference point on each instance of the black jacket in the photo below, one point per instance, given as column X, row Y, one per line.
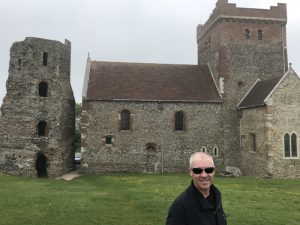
column 191, row 208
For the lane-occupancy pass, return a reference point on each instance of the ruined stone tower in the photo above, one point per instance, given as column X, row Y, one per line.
column 241, row 45
column 37, row 122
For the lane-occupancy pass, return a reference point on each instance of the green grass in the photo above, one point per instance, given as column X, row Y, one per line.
column 140, row 199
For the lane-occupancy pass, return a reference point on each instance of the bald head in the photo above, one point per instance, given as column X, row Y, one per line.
column 201, row 156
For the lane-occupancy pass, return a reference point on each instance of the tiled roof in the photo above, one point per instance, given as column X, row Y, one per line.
column 259, row 93
column 150, row 82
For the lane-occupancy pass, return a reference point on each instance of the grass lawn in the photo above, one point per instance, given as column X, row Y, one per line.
column 140, row 199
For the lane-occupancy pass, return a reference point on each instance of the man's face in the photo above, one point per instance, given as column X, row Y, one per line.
column 204, row 180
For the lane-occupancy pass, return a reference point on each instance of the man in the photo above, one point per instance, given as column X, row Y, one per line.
column 200, row 203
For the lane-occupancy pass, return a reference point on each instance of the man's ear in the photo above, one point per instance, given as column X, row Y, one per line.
column 190, row 172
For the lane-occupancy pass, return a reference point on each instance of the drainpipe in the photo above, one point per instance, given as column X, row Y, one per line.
column 160, row 107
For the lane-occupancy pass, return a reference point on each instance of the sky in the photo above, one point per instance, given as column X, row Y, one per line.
column 146, row 31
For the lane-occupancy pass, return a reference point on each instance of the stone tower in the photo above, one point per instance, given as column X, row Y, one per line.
column 37, row 122
column 241, row 45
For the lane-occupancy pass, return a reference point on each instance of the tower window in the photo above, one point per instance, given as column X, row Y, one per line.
column 125, row 120
column 45, row 58
column 259, row 35
column 247, row 34
column 43, row 89
column 42, row 128
column 179, row 120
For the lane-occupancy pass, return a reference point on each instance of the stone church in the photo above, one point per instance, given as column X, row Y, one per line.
column 240, row 103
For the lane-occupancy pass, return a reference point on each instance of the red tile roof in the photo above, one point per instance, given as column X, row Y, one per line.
column 150, row 82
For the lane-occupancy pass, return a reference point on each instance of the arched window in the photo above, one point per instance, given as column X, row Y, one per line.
column 294, row 145
column 215, row 151
column 43, row 89
column 247, row 34
column 42, row 128
column 287, row 145
column 203, row 149
column 125, row 120
column 179, row 120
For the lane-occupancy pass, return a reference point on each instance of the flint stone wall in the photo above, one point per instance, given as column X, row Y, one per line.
column 23, row 108
column 153, row 123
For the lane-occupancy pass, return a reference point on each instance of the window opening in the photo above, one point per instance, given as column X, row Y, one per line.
column 215, row 151
column 42, row 128
column 108, row 140
column 125, row 120
column 179, row 120
column 294, row 145
column 43, row 89
column 203, row 149
column 287, row 145
column 253, row 141
column 45, row 58
column 259, row 35
column 247, row 33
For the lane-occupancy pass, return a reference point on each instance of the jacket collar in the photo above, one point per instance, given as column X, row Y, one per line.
column 203, row 202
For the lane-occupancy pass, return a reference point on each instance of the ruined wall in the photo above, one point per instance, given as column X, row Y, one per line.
column 37, row 121
column 152, row 124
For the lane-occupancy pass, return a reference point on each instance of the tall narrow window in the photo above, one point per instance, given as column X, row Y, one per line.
column 43, row 89
column 253, row 141
column 247, row 34
column 216, row 151
column 125, row 120
column 294, row 145
column 42, row 128
column 287, row 145
column 259, row 35
column 45, row 58
column 179, row 120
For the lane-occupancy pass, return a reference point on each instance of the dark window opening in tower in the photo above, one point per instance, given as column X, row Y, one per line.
column 247, row 34
column 42, row 128
column 179, row 120
column 259, row 35
column 45, row 58
column 43, row 89
column 19, row 63
column 41, row 165
column 125, row 120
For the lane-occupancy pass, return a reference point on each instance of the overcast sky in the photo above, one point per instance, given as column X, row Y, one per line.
column 149, row 31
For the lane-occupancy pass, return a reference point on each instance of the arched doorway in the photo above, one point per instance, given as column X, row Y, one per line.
column 41, row 165
column 152, row 158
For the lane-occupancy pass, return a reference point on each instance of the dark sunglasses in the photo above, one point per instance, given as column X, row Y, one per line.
column 207, row 170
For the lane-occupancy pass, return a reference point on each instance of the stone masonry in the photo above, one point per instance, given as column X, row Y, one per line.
column 37, row 122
